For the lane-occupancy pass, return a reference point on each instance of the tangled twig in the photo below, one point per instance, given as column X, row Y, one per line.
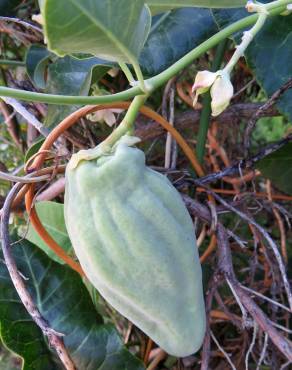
column 23, row 23
column 244, row 164
column 53, row 336
column 259, row 113
column 268, row 238
column 225, row 268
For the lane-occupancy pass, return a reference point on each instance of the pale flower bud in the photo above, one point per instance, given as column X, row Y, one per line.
column 104, row 115
column 221, row 93
column 38, row 18
column 203, row 81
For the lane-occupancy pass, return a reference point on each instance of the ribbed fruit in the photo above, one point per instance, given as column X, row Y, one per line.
column 136, row 243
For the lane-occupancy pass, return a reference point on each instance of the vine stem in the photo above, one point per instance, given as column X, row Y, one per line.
column 206, row 111
column 15, row 63
column 274, row 8
column 63, row 126
column 127, row 72
column 54, row 337
column 127, row 124
column 247, row 38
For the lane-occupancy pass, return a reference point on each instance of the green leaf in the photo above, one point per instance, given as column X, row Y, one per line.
column 173, row 35
column 51, row 215
column 33, row 149
column 37, row 59
column 268, row 54
column 274, row 44
column 64, row 302
column 113, row 30
column 278, row 168
column 71, row 76
column 159, row 6
column 8, row 7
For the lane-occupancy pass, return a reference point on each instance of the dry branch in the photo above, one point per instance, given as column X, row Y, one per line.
column 261, row 112
column 225, row 267
column 244, row 164
column 54, row 337
column 190, row 119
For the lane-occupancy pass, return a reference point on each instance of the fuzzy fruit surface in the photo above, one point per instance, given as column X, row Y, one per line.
column 136, row 243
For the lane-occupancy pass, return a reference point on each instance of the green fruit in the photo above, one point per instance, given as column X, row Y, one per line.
column 136, row 243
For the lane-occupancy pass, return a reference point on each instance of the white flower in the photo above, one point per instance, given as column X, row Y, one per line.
column 220, row 87
column 104, row 115
column 113, row 72
column 203, row 81
column 38, row 18
column 221, row 94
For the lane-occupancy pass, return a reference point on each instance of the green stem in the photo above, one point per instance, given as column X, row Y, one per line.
column 127, row 124
column 155, row 82
column 16, row 63
column 247, row 38
column 140, row 77
column 127, row 72
column 204, row 126
column 206, row 111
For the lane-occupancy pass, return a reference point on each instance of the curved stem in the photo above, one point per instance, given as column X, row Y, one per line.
column 127, row 72
column 206, row 111
column 127, row 124
column 8, row 62
column 247, row 38
column 52, row 137
column 155, row 82
column 140, row 78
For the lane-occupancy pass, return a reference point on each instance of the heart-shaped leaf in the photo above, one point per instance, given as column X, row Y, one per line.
column 64, row 302
column 158, row 6
column 33, row 149
column 173, row 35
column 278, row 168
column 71, row 76
column 113, row 30
column 36, row 60
column 51, row 215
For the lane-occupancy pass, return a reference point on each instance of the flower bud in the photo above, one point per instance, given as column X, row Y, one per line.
column 38, row 18
column 203, row 81
column 221, row 89
column 104, row 115
column 221, row 93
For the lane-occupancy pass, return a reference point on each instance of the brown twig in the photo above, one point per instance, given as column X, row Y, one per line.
column 225, row 266
column 53, row 336
column 23, row 23
column 191, row 119
column 12, row 124
column 246, row 163
column 222, row 350
column 55, row 189
column 267, row 237
column 30, row 118
column 279, row 222
column 147, row 351
column 212, row 286
column 158, row 358
column 261, row 111
column 211, row 247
